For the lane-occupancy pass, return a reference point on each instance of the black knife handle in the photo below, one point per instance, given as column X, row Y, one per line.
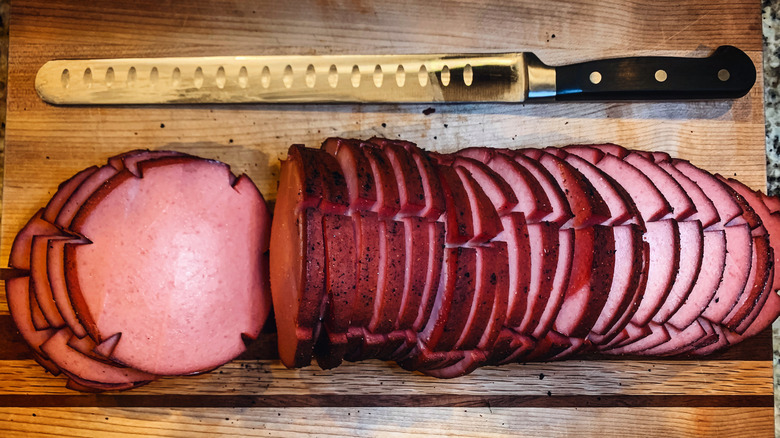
column 726, row 74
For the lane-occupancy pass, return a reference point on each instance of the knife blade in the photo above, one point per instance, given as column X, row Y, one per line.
column 501, row 77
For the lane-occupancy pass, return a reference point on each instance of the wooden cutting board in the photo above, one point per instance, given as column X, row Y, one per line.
column 727, row 395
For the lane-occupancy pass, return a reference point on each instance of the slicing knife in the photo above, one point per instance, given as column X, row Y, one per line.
column 505, row 77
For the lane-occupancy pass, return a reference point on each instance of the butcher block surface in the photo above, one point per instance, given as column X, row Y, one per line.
column 729, row 394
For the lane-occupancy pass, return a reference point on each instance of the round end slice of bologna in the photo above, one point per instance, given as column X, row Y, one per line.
column 175, row 265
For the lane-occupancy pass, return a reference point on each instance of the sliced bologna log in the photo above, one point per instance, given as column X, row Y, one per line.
column 436, row 250
column 691, row 259
column 589, row 283
column 771, row 202
column 728, row 208
column 532, row 200
column 721, row 342
column 369, row 259
column 760, row 271
column 612, row 149
column 658, row 335
column 194, row 249
column 761, row 257
column 765, row 315
column 679, row 341
column 453, row 299
column 55, row 270
column 739, row 249
column 706, row 212
column 617, row 333
column 17, row 292
column 340, row 286
column 626, row 279
column 297, row 270
column 388, row 202
column 544, row 247
column 87, row 347
column 710, row 276
column 618, row 202
column 485, row 218
column 87, row 187
column 415, row 271
column 520, row 260
column 491, row 263
column 129, row 160
column 38, row 320
column 681, row 204
column 432, row 189
column 591, row 276
column 360, row 182
column 560, row 209
column 39, row 280
column 586, row 204
column 560, row 281
column 663, row 238
column 390, row 288
column 648, row 199
column 340, row 270
column 495, row 187
column 771, row 223
column 22, row 245
column 459, row 218
column 63, row 193
column 410, row 188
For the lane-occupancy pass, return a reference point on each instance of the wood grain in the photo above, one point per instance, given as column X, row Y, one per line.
column 377, row 379
column 726, row 395
column 384, row 422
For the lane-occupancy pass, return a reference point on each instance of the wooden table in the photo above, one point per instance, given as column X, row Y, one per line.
column 727, row 395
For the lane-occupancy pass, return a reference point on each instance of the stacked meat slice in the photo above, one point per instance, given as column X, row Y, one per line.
column 445, row 263
column 154, row 264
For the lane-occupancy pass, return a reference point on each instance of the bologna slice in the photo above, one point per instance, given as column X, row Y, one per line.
column 208, row 241
column 411, row 194
column 532, row 201
column 87, row 368
column 18, row 295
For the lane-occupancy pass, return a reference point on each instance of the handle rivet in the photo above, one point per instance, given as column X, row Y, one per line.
column 661, row 75
column 723, row 75
column 595, row 78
